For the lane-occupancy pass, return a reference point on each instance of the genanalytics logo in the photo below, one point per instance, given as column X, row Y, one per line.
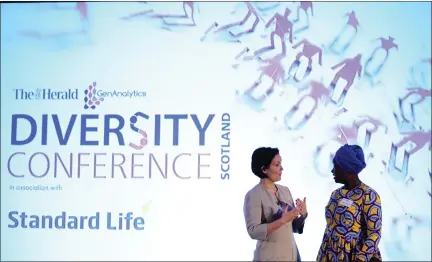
column 94, row 97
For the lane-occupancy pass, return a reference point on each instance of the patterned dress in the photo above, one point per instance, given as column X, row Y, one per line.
column 353, row 227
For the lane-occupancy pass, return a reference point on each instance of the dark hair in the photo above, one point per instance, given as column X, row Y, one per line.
column 262, row 158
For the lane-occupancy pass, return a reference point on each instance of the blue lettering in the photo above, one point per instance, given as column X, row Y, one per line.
column 33, row 128
column 110, row 225
column 202, row 129
column 47, row 165
column 116, row 130
column 134, row 119
column 63, row 136
column 126, row 222
column 61, row 221
column 176, row 120
column 44, row 130
column 14, row 220
column 63, row 139
column 9, row 164
column 139, row 223
column 85, row 129
column 157, row 137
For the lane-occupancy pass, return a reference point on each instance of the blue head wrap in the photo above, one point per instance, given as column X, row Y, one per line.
column 350, row 158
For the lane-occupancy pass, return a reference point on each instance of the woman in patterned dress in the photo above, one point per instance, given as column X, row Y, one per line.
column 353, row 213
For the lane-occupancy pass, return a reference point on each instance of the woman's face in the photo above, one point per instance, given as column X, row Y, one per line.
column 339, row 174
column 274, row 171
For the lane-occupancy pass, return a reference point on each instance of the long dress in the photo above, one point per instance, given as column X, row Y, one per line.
column 353, row 227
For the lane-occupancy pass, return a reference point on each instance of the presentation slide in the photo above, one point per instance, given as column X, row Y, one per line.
column 127, row 128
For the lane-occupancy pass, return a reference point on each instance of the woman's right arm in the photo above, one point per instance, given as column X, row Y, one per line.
column 252, row 213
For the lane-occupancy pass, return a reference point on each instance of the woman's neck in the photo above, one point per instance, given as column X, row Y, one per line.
column 267, row 184
column 352, row 184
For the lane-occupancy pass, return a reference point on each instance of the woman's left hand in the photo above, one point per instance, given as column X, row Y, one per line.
column 301, row 205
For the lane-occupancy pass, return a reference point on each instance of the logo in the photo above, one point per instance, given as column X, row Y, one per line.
column 153, row 138
column 45, row 94
column 91, row 99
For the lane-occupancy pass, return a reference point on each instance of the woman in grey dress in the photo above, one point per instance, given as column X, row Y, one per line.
column 270, row 214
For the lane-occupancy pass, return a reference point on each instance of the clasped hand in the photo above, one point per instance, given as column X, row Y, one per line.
column 288, row 216
column 299, row 209
column 301, row 206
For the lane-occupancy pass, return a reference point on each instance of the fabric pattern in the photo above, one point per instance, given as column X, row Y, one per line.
column 353, row 227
